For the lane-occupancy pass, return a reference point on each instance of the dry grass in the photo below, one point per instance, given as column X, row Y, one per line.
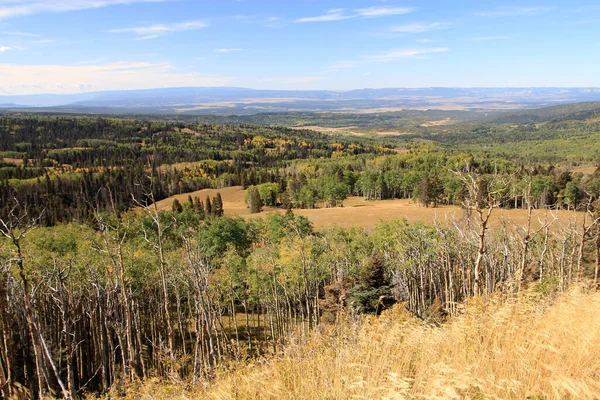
column 358, row 212
column 14, row 161
column 233, row 199
column 352, row 130
column 518, row 349
column 585, row 169
column 445, row 121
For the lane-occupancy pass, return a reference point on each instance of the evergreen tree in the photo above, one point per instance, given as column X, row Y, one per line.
column 177, row 208
column 208, row 209
column 217, row 205
column 254, row 202
column 372, row 293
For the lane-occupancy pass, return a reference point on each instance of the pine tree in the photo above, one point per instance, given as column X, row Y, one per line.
column 217, row 205
column 177, row 208
column 254, row 203
column 208, row 207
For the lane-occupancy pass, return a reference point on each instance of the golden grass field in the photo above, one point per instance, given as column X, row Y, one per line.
column 525, row 348
column 585, row 169
column 351, row 130
column 358, row 212
column 15, row 161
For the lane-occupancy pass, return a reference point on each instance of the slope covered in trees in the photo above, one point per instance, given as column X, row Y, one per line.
column 100, row 289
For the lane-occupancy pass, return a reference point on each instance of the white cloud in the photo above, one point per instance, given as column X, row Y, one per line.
column 399, row 54
column 514, row 12
column 339, row 14
column 16, row 33
column 5, row 48
column 390, row 55
column 226, row 50
column 37, row 79
column 154, row 31
column 17, row 8
column 420, row 27
column 331, row 15
column 383, row 11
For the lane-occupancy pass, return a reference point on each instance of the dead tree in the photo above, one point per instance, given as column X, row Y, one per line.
column 15, row 228
column 484, row 194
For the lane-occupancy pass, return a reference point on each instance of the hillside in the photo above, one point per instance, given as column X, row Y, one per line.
column 574, row 111
column 531, row 347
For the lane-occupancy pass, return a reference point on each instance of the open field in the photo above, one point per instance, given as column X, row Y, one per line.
column 585, row 169
column 358, row 212
column 15, row 161
column 352, row 130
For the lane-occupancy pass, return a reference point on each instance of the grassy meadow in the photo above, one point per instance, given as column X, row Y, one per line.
column 529, row 347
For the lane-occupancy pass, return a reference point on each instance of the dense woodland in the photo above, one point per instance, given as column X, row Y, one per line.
column 94, row 295
column 70, row 167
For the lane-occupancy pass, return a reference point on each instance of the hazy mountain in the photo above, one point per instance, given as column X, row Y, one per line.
column 233, row 100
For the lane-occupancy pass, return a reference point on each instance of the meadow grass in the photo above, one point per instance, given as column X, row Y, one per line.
column 528, row 347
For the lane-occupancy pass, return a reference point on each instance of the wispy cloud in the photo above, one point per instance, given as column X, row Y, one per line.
column 36, row 79
column 274, row 22
column 390, row 55
column 17, row 8
column 226, row 50
column 331, row 15
column 420, row 27
column 339, row 14
column 514, row 12
column 383, row 11
column 154, row 31
column 17, row 33
column 5, row 48
column 399, row 54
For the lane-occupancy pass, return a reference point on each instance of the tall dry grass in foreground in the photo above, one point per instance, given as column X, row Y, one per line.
column 518, row 349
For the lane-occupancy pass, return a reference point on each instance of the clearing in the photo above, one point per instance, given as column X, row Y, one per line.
column 358, row 212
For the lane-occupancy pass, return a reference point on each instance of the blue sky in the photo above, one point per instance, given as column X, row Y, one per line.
column 72, row 46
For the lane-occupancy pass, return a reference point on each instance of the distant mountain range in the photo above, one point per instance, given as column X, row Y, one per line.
column 242, row 101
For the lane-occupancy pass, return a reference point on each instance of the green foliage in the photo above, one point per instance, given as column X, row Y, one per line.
column 372, row 292
column 268, row 193
column 253, row 200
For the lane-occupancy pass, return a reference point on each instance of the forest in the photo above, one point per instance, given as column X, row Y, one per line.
column 99, row 289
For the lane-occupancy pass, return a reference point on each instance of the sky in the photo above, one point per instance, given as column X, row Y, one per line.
column 75, row 46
